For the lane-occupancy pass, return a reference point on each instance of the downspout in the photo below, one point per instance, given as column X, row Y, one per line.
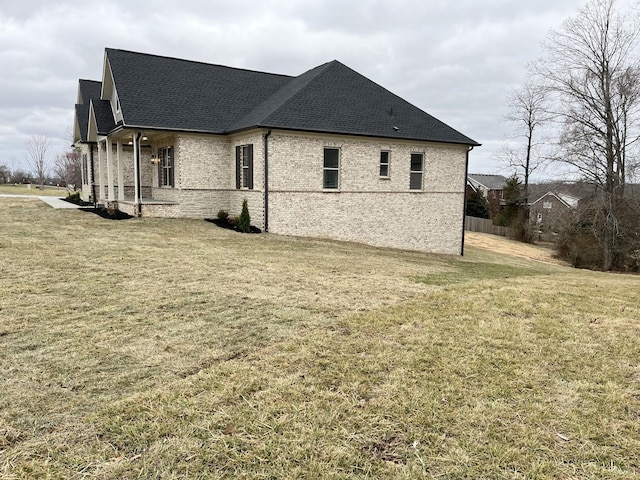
column 464, row 199
column 93, row 180
column 138, row 177
column 266, row 180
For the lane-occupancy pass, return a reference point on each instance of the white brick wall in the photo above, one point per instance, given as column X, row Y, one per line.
column 367, row 208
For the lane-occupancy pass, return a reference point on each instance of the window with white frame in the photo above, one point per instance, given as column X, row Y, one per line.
column 331, row 169
column 384, row 163
column 244, row 166
column 546, row 204
column 416, row 170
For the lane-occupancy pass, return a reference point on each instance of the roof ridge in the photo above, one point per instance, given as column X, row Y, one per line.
column 197, row 62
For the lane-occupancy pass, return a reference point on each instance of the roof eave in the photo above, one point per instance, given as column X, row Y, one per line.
column 472, row 143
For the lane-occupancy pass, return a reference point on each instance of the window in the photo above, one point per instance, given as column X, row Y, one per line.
column 331, row 171
column 165, row 167
column 85, row 169
column 539, row 218
column 244, row 166
column 384, row 164
column 415, row 175
column 546, row 204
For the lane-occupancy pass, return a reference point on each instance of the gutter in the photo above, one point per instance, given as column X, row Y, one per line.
column 464, row 199
column 266, row 180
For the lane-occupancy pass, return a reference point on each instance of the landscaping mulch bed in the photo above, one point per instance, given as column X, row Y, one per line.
column 82, row 203
column 108, row 214
column 230, row 226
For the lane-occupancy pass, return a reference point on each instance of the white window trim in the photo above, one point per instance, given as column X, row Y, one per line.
column 421, row 172
column 336, row 169
column 388, row 164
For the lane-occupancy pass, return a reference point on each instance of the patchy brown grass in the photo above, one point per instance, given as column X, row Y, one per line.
column 175, row 349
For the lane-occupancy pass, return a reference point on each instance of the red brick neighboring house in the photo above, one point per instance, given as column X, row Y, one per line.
column 492, row 186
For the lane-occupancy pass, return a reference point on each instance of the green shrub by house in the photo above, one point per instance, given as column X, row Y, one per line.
column 244, row 221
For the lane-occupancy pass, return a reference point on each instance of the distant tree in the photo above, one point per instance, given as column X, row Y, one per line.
column 528, row 113
column 5, row 174
column 38, row 157
column 592, row 68
column 20, row 176
column 68, row 169
column 477, row 205
column 515, row 214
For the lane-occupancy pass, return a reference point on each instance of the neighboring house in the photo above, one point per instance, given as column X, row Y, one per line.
column 492, row 186
column 328, row 153
column 553, row 210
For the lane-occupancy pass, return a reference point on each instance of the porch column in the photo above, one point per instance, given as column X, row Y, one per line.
column 101, row 194
column 120, row 171
column 136, row 175
column 110, row 187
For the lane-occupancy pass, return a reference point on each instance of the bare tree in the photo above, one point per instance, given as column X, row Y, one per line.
column 529, row 113
column 38, row 157
column 591, row 69
column 5, row 173
column 67, row 168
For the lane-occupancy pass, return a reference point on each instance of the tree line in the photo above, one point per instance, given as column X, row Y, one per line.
column 579, row 109
column 43, row 165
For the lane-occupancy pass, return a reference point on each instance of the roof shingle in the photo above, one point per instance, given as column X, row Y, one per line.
column 174, row 94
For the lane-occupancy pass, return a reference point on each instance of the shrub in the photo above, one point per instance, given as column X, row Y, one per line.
column 74, row 197
column 223, row 214
column 244, row 220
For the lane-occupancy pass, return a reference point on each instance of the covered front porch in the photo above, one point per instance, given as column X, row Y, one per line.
column 127, row 175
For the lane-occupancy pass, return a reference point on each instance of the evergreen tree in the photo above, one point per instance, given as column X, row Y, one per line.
column 477, row 205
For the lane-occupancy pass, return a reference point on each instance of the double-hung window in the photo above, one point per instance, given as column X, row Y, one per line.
column 331, row 169
column 384, row 164
column 244, row 166
column 415, row 174
column 166, row 167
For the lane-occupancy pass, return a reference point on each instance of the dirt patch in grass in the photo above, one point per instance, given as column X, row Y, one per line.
column 506, row 246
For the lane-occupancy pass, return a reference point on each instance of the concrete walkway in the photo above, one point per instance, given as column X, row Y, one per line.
column 51, row 201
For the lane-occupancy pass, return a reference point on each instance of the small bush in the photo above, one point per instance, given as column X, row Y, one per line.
column 244, row 220
column 223, row 214
column 74, row 197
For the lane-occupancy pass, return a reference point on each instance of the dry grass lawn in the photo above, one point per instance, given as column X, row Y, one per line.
column 174, row 349
column 34, row 190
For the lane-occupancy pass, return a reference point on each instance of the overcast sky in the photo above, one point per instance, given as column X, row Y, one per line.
column 457, row 60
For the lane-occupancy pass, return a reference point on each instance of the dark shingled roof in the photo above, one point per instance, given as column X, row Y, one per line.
column 89, row 90
column 173, row 94
column 104, row 116
column 334, row 98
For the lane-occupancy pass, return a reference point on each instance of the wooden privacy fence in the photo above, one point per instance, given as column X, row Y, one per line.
column 484, row 225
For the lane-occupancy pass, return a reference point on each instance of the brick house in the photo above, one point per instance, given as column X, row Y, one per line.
column 328, row 153
column 492, row 186
column 553, row 211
